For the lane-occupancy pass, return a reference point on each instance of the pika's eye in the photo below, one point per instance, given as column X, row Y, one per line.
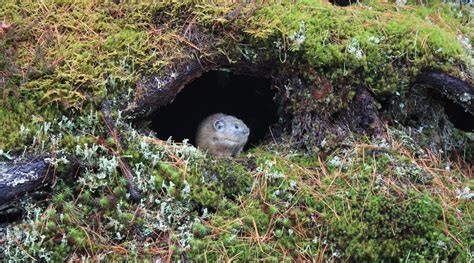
column 236, row 127
column 219, row 125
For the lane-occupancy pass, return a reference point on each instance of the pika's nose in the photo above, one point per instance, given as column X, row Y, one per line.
column 246, row 131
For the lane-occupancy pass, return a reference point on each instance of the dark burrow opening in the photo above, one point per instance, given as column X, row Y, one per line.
column 10, row 215
column 460, row 118
column 249, row 98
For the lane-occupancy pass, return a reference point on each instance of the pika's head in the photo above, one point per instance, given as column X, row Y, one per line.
column 230, row 130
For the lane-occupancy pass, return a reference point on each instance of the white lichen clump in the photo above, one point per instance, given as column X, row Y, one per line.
column 269, row 170
column 466, row 98
column 355, row 49
column 464, row 193
column 298, row 37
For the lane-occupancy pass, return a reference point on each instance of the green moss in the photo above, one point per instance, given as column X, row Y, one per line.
column 15, row 132
column 104, row 202
column 85, row 38
column 216, row 179
column 343, row 215
column 378, row 46
column 375, row 45
column 378, row 227
column 275, row 204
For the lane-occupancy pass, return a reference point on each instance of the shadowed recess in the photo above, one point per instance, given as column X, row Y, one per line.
column 460, row 118
column 249, row 98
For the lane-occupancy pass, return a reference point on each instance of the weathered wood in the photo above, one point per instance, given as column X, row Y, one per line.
column 453, row 88
column 16, row 179
column 154, row 92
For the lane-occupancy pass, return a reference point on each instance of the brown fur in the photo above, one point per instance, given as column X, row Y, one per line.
column 227, row 141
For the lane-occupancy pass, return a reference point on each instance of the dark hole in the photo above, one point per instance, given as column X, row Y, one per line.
column 414, row 118
column 10, row 215
column 249, row 98
column 460, row 118
column 343, row 2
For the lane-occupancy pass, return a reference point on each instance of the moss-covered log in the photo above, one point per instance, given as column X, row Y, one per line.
column 359, row 162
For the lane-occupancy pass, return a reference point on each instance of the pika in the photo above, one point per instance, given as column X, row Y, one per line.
column 222, row 135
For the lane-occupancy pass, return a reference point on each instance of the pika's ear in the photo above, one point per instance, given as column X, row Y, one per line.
column 219, row 125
